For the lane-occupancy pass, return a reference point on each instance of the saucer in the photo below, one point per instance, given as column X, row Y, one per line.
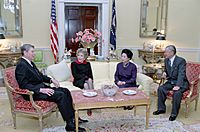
column 129, row 92
column 90, row 94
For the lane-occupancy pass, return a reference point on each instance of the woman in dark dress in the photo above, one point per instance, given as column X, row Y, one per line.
column 82, row 71
column 126, row 73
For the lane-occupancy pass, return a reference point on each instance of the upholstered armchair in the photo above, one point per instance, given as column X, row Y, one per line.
column 192, row 94
column 38, row 109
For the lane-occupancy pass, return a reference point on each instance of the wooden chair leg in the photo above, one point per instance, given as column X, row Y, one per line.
column 186, row 110
column 40, row 124
column 135, row 111
column 14, row 119
column 196, row 103
column 57, row 112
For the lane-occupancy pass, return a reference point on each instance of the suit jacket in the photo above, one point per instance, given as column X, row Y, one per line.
column 29, row 77
column 176, row 75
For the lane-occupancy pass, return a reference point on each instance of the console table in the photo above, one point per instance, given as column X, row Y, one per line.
column 150, row 56
column 8, row 58
column 154, row 70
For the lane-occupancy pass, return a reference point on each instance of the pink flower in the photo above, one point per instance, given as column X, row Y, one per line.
column 76, row 40
column 93, row 39
column 88, row 36
column 72, row 40
column 80, row 33
column 87, row 41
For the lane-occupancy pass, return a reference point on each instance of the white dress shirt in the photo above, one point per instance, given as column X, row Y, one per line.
column 27, row 60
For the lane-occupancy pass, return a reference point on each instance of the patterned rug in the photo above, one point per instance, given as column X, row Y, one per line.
column 3, row 93
column 117, row 122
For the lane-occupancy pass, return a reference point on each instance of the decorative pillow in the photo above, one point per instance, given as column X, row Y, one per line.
column 60, row 71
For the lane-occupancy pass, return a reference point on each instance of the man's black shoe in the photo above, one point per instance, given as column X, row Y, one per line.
column 158, row 112
column 172, row 118
column 71, row 127
column 82, row 120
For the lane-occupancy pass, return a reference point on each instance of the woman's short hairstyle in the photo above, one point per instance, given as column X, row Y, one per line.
column 171, row 48
column 83, row 51
column 128, row 53
column 25, row 47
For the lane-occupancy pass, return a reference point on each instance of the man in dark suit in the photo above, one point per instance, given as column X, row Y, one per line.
column 175, row 73
column 29, row 77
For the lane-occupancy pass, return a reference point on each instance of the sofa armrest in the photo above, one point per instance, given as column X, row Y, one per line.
column 145, row 82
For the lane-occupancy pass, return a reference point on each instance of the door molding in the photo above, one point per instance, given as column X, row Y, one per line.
column 103, row 20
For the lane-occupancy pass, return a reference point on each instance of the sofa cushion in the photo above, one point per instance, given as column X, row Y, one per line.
column 68, row 85
column 60, row 71
column 98, row 83
column 145, row 82
column 112, row 69
column 100, row 70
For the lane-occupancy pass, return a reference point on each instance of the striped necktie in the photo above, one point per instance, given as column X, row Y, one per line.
column 169, row 62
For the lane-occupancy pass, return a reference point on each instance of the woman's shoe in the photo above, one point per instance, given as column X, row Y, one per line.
column 89, row 112
column 128, row 107
column 82, row 120
column 125, row 107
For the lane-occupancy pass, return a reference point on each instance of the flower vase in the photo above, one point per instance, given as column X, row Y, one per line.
column 90, row 49
column 88, row 45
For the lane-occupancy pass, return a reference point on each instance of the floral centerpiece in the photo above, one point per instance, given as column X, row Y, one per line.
column 88, row 38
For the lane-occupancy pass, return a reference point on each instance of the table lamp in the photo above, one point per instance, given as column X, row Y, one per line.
column 1, row 37
column 159, row 43
column 160, row 37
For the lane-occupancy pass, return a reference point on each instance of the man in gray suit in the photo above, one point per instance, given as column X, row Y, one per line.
column 175, row 73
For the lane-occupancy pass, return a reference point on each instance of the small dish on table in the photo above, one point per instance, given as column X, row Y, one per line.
column 129, row 92
column 89, row 93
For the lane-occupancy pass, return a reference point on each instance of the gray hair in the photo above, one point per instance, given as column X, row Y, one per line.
column 171, row 48
column 25, row 47
column 82, row 50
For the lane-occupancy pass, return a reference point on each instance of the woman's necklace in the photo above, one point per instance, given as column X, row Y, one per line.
column 126, row 64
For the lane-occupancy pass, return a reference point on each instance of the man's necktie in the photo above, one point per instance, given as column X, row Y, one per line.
column 35, row 68
column 169, row 62
column 170, row 67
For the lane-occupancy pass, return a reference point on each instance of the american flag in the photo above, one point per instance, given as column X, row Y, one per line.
column 54, row 31
column 113, row 27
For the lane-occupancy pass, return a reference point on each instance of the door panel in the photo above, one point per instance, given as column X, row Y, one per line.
column 78, row 18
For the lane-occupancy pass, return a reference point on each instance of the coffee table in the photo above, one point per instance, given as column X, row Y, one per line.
column 100, row 101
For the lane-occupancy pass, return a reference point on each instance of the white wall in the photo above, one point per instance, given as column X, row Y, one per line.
column 183, row 28
column 183, row 25
column 35, row 21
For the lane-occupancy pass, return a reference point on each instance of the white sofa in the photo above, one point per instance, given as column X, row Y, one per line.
column 103, row 73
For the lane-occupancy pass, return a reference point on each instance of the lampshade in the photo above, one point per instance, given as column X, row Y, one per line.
column 2, row 36
column 160, row 37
